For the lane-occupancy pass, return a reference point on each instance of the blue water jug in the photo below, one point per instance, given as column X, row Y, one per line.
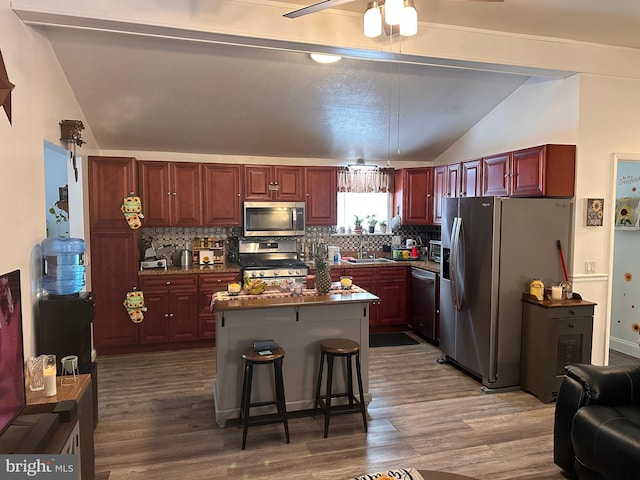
column 64, row 268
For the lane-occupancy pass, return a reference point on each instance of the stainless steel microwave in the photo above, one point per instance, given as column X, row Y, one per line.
column 273, row 219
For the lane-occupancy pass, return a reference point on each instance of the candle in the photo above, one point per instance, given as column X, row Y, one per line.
column 234, row 287
column 49, row 374
column 556, row 292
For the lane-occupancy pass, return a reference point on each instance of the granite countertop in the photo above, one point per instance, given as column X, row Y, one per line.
column 309, row 298
column 235, row 268
column 195, row 269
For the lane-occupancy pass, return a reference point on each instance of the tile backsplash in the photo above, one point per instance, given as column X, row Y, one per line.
column 350, row 244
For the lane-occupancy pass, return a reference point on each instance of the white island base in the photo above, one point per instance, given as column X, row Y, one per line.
column 299, row 329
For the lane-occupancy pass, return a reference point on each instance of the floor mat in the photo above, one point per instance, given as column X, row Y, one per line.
column 390, row 339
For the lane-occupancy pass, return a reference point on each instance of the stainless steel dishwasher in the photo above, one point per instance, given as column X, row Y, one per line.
column 424, row 303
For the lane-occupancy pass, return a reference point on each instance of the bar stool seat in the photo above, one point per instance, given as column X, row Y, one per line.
column 330, row 349
column 251, row 358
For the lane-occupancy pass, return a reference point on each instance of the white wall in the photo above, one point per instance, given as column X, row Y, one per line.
column 41, row 99
column 540, row 111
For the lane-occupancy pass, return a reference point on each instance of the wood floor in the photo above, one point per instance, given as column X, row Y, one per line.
column 156, row 421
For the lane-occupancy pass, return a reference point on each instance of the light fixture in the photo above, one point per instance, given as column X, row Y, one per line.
column 408, row 19
column 396, row 12
column 393, row 11
column 373, row 20
column 361, row 165
column 325, row 58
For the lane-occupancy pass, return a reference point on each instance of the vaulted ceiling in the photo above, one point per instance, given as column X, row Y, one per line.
column 159, row 93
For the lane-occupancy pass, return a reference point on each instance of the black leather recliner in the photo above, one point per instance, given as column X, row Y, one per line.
column 597, row 423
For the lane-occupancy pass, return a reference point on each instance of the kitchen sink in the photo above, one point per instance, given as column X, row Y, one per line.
column 369, row 261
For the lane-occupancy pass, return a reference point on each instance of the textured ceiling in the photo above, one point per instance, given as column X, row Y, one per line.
column 148, row 93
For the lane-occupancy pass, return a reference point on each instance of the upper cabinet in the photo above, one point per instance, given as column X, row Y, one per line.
column 321, row 195
column 546, row 170
column 471, row 178
column 272, row 182
column 171, row 193
column 446, row 183
column 222, row 198
column 110, row 180
column 413, row 199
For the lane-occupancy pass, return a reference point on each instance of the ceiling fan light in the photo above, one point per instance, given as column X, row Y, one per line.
column 408, row 19
column 393, row 11
column 373, row 20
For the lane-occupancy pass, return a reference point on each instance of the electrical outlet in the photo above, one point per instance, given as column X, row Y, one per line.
column 590, row 267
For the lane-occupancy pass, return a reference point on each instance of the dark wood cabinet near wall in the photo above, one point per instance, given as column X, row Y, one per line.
column 273, row 182
column 545, row 170
column 171, row 193
column 471, row 178
column 114, row 249
column 413, row 196
column 321, row 194
column 222, row 197
column 172, row 308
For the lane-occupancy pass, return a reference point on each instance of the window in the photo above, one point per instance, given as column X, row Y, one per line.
column 363, row 204
column 364, row 193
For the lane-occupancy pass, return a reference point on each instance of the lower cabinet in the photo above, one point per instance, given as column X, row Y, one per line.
column 390, row 285
column 172, row 309
column 209, row 284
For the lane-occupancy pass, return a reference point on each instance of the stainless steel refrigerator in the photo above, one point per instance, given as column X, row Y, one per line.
column 491, row 250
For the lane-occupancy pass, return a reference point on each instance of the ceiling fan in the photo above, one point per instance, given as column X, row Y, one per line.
column 316, row 7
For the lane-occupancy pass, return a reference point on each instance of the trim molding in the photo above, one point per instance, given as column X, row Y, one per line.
column 590, row 277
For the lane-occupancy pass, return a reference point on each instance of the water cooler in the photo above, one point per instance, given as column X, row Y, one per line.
column 64, row 315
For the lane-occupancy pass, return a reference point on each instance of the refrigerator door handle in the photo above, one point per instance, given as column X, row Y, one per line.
column 455, row 252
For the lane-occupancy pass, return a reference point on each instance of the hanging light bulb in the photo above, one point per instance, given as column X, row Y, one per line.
column 373, row 20
column 408, row 19
column 393, row 11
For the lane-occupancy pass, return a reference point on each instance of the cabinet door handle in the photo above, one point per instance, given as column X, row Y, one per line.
column 174, row 194
column 571, row 325
column 572, row 312
column 166, row 315
column 169, row 193
column 171, row 314
column 168, row 282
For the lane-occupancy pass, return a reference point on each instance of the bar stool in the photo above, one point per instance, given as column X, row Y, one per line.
column 347, row 349
column 251, row 358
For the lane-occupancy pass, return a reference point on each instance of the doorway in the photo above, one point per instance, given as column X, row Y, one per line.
column 624, row 334
column 64, row 208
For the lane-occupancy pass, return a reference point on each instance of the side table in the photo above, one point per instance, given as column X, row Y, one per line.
column 554, row 334
column 82, row 392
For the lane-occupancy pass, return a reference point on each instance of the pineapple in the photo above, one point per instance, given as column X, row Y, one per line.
column 323, row 272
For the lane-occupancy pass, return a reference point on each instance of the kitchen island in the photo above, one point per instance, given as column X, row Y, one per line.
column 298, row 324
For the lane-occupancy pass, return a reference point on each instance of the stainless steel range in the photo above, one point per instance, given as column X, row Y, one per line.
column 273, row 261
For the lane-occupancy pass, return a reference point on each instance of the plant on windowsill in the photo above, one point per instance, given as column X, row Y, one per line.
column 371, row 220
column 383, row 227
column 357, row 221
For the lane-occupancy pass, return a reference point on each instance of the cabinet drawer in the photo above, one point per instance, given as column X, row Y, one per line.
column 392, row 273
column 362, row 273
column 169, row 281
column 571, row 312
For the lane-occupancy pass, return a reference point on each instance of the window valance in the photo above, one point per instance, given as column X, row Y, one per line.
column 378, row 180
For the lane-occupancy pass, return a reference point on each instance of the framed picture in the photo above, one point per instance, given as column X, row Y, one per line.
column 595, row 211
